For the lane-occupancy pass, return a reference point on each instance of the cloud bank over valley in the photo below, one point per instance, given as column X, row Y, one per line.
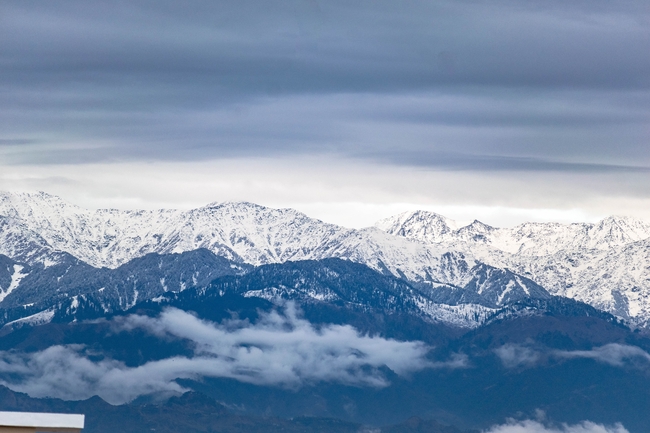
column 278, row 350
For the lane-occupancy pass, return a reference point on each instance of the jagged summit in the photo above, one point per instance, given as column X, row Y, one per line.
column 475, row 232
column 421, row 225
column 429, row 227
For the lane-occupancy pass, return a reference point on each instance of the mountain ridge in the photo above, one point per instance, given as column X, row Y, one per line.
column 605, row 264
column 426, row 249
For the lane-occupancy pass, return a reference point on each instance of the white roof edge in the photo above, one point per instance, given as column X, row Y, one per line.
column 42, row 420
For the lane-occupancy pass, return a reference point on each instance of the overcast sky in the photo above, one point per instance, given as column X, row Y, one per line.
column 499, row 110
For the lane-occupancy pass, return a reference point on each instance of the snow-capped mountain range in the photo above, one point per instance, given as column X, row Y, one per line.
column 606, row 264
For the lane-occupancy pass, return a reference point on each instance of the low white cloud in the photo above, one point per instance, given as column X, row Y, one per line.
column 288, row 349
column 277, row 350
column 618, row 355
column 529, row 426
column 613, row 354
column 64, row 372
column 514, row 355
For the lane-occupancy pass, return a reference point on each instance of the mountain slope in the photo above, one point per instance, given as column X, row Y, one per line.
column 340, row 284
column 335, row 287
column 38, row 290
column 605, row 264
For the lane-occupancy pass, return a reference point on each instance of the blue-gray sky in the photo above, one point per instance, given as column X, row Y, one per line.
column 511, row 110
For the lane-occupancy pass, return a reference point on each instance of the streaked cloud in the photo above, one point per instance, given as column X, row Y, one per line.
column 540, row 105
column 278, row 350
column 541, row 85
column 514, row 355
column 614, row 354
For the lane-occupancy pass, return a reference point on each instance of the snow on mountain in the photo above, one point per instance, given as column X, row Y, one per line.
column 618, row 282
column 20, row 242
column 242, row 232
column 528, row 238
column 16, row 277
column 421, row 225
column 605, row 264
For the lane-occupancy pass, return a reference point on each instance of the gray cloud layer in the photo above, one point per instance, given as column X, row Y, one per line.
column 466, row 85
column 278, row 350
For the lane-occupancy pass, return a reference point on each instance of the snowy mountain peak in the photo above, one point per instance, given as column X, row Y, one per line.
column 479, row 226
column 40, row 203
column 621, row 229
column 421, row 225
column 613, row 232
column 233, row 205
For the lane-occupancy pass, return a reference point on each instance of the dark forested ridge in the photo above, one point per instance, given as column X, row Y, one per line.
column 556, row 355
